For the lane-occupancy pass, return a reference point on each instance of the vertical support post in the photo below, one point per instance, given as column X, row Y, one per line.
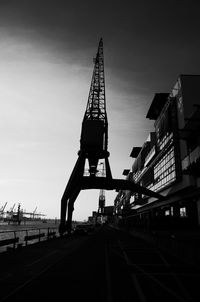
column 26, row 238
column 71, row 209
column 198, row 211
column 71, row 191
column 62, row 226
column 69, row 217
column 108, row 170
column 14, row 244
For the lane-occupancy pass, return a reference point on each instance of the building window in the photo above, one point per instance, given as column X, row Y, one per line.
column 164, row 171
column 167, row 138
column 183, row 212
column 176, row 89
column 167, row 212
column 180, row 104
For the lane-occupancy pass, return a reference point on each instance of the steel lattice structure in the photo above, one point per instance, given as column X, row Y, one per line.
column 93, row 147
column 96, row 106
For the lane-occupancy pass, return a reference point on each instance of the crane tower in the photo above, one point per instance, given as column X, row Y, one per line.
column 93, row 147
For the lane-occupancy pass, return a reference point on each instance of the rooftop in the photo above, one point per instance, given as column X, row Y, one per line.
column 126, row 172
column 156, row 106
column 135, row 151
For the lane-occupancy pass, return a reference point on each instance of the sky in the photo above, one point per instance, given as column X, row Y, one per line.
column 46, row 64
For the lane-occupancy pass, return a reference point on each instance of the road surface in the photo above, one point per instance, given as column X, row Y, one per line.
column 107, row 265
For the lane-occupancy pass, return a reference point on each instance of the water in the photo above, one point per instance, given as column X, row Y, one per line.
column 9, row 231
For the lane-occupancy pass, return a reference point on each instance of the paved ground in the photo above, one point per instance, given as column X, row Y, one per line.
column 108, row 265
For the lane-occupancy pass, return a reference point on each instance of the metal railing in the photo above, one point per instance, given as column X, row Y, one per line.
column 11, row 239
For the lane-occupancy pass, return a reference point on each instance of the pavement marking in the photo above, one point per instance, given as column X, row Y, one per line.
column 41, row 258
column 162, row 285
column 180, row 285
column 40, row 273
column 134, row 279
column 108, row 276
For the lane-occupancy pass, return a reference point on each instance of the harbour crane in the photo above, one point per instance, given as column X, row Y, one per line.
column 102, row 195
column 11, row 211
column 94, row 147
column 3, row 208
column 34, row 212
column 12, row 208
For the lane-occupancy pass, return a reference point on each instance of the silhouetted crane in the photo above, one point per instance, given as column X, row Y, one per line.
column 34, row 212
column 2, row 210
column 12, row 208
column 102, row 196
column 93, row 147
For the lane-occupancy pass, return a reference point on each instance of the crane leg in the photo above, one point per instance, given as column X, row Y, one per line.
column 69, row 193
column 62, row 226
column 70, row 210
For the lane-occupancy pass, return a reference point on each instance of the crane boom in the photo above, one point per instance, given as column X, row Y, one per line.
column 93, row 147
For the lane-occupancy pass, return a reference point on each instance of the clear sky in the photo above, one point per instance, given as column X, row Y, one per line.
column 46, row 52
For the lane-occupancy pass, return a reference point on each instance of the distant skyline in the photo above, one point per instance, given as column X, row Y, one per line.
column 46, row 52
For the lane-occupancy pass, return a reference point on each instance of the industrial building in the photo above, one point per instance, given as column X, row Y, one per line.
column 168, row 162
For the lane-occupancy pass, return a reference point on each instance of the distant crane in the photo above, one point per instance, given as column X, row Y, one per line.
column 34, row 212
column 93, row 147
column 12, row 208
column 2, row 210
column 19, row 214
column 15, row 216
column 102, row 196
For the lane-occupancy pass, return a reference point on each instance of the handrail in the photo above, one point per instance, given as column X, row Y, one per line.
column 31, row 234
column 29, row 229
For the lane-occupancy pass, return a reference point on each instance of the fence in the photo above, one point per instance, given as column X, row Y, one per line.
column 22, row 237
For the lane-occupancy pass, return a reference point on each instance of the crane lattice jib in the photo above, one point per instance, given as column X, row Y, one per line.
column 94, row 134
column 96, row 106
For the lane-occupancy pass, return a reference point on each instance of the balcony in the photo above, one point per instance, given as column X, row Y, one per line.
column 191, row 130
column 191, row 163
column 150, row 156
